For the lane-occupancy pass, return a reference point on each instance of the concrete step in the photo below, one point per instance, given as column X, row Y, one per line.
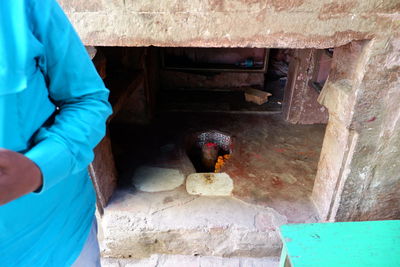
column 139, row 224
column 190, row 261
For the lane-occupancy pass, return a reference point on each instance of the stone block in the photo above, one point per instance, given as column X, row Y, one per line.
column 209, row 184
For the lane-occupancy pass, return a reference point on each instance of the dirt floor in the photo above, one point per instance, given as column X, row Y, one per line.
column 272, row 164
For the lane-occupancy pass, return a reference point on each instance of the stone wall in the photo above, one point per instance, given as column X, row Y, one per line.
column 359, row 174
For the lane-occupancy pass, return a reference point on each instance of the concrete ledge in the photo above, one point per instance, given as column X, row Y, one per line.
column 190, row 261
column 139, row 224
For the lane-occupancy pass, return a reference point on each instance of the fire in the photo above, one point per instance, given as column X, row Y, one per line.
column 221, row 162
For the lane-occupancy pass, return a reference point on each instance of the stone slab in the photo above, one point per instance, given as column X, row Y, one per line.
column 209, row 184
column 138, row 224
column 274, row 23
column 155, row 179
column 157, row 260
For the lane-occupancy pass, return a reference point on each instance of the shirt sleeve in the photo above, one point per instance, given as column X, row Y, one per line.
column 66, row 146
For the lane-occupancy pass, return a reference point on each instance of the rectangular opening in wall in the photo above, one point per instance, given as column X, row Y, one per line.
column 187, row 139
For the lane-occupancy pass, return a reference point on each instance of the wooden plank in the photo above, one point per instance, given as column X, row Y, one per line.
column 375, row 243
column 152, row 78
column 256, row 96
column 121, row 87
column 103, row 172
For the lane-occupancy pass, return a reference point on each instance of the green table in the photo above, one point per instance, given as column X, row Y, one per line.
column 375, row 243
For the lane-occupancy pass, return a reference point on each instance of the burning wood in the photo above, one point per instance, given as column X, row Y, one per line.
column 221, row 160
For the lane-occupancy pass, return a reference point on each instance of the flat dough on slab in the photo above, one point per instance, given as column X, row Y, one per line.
column 155, row 179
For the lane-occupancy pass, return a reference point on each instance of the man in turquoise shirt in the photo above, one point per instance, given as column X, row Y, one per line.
column 53, row 108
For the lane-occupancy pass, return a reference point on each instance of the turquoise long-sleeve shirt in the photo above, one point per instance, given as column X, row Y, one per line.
column 53, row 108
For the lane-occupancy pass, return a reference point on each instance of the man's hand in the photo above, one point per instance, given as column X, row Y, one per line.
column 18, row 176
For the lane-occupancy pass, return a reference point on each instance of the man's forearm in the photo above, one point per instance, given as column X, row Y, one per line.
column 18, row 176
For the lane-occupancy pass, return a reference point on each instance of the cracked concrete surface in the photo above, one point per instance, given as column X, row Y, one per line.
column 139, row 224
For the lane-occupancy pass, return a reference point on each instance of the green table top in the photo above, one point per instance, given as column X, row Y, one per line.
column 375, row 243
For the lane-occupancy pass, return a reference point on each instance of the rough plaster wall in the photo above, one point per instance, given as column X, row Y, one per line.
column 244, row 23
